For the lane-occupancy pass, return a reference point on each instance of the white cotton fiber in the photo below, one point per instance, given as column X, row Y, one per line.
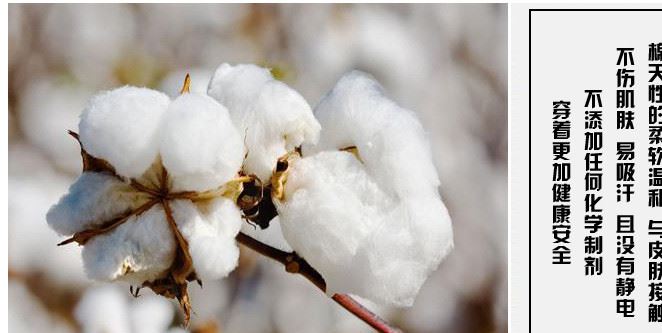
column 273, row 118
column 92, row 200
column 238, row 86
column 390, row 140
column 402, row 252
column 377, row 215
column 330, row 207
column 210, row 229
column 362, row 240
column 139, row 250
column 200, row 147
column 121, row 126
column 102, row 310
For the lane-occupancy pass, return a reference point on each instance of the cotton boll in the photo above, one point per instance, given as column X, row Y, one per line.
column 390, row 140
column 121, row 126
column 410, row 230
column 103, row 309
column 273, row 118
column 139, row 250
column 329, row 211
column 200, row 147
column 330, row 207
column 95, row 198
column 210, row 230
column 151, row 314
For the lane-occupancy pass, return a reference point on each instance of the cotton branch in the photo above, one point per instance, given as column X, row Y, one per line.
column 297, row 265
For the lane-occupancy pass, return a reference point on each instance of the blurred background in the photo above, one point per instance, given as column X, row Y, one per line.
column 448, row 63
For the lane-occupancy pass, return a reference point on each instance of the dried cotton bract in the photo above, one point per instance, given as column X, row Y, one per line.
column 362, row 206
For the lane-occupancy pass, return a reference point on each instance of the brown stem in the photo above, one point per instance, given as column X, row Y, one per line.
column 295, row 264
column 356, row 308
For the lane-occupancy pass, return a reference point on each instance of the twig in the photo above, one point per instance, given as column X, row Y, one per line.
column 297, row 265
column 363, row 313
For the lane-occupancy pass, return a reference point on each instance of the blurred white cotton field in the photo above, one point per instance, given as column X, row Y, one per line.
column 366, row 91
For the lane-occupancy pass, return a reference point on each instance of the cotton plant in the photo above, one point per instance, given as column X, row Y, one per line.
column 346, row 196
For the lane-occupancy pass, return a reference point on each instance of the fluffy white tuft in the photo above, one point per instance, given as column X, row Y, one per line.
column 93, row 199
column 200, row 147
column 121, row 126
column 210, row 230
column 237, row 86
column 391, row 141
column 403, row 251
column 331, row 206
column 376, row 214
column 139, row 250
column 273, row 118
